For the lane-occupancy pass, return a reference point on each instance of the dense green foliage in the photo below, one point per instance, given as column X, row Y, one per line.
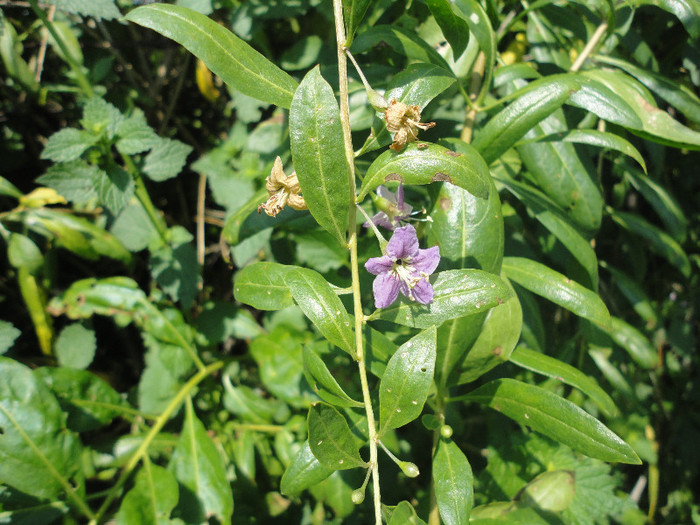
column 170, row 354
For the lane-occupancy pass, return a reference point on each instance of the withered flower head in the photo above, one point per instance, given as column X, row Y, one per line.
column 404, row 121
column 282, row 190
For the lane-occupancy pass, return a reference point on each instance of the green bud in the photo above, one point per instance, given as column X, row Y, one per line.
column 446, row 431
column 358, row 496
column 410, row 469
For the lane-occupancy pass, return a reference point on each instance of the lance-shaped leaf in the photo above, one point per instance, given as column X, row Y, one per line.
column 457, row 293
column 322, row 381
column 262, row 286
column 318, row 152
column 331, row 439
column 199, row 467
column 551, row 367
column 454, row 27
column 480, row 26
column 422, row 163
column 555, row 417
column 232, row 231
column 417, row 85
column 454, row 483
column 403, row 42
column 687, row 11
column 226, row 55
column 539, row 100
column 38, row 455
column 558, row 288
column 322, row 305
column 406, row 381
column 402, row 514
column 152, row 498
column 634, row 342
column 353, row 12
column 305, row 471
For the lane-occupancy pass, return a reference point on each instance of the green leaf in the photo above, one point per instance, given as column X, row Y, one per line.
column 635, row 295
column 318, row 250
column 687, row 11
column 551, row 367
column 655, row 124
column 331, row 440
column 8, row 189
column 88, row 401
column 634, row 342
column 75, row 346
column 322, row 306
column 406, row 382
column 106, row 9
column 555, row 417
column 250, row 406
column 538, row 100
column 75, row 180
column 552, row 285
column 318, row 152
column 135, row 135
column 322, row 381
column 600, row 139
column 552, row 217
column 655, row 239
column 305, row 471
column 564, row 176
column 134, row 228
column 402, row 514
column 499, row 335
column 604, row 102
column 262, row 286
column 417, row 85
column 226, row 55
column 552, row 491
column 115, row 187
column 151, row 500
column 174, row 266
column 100, row 116
column 353, row 13
column 401, row 41
column 480, row 26
column 235, row 223
column 68, row 144
column 422, row 163
column 166, row 159
column 454, row 483
column 454, row 27
column 38, row 454
column 8, row 334
column 23, row 253
column 457, row 293
column 199, row 468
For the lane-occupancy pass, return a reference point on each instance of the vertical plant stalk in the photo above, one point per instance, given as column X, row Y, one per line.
column 145, row 199
column 83, row 81
column 477, row 77
column 155, row 429
column 590, row 46
column 352, row 246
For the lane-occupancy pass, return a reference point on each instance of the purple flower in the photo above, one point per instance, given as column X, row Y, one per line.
column 394, row 208
column 404, row 268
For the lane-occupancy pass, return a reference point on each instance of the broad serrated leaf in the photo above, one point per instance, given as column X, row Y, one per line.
column 304, row 471
column 422, row 163
column 318, row 152
column 495, row 343
column 551, row 367
column 262, row 286
column 199, row 467
column 75, row 346
column 68, row 144
column 8, row 334
column 537, row 101
column 322, row 306
column 457, row 293
column 152, row 498
column 406, row 382
column 331, row 439
column 174, row 266
column 134, row 228
column 166, row 159
column 99, row 116
column 38, row 455
column 115, row 187
column 551, row 491
column 555, row 417
column 134, row 134
column 226, row 55
column 322, row 381
column 454, row 483
column 106, row 9
column 417, row 85
column 87, row 400
column 75, row 180
column 559, row 289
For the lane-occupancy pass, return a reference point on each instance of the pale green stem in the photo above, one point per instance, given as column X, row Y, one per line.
column 155, row 430
column 590, row 46
column 145, row 199
column 83, row 81
column 352, row 246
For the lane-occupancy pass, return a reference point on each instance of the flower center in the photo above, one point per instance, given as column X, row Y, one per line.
column 405, row 271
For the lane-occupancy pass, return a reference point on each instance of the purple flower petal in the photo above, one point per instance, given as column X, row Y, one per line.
column 386, row 289
column 379, row 265
column 381, row 219
column 403, row 244
column 384, row 193
column 426, row 260
column 423, row 292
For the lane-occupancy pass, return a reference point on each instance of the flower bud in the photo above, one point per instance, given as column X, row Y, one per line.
column 358, row 496
column 410, row 469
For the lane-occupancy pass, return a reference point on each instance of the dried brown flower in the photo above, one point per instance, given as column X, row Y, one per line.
column 404, row 122
column 282, row 190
